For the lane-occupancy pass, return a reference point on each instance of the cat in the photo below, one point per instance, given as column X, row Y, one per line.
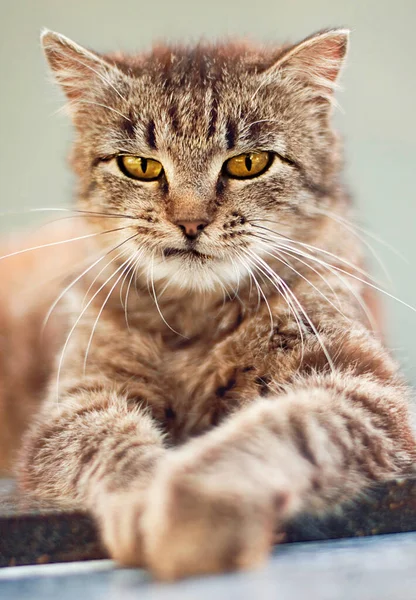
column 219, row 371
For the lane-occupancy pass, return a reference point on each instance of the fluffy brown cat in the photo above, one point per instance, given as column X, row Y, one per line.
column 219, row 374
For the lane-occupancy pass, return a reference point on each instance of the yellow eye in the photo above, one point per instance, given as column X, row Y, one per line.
column 137, row 167
column 248, row 165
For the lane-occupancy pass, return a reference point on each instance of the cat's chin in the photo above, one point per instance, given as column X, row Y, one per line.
column 195, row 271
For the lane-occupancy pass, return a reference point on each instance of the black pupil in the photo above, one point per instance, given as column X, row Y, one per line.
column 248, row 162
column 143, row 164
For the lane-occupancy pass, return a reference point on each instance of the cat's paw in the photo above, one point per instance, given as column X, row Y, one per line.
column 119, row 517
column 195, row 524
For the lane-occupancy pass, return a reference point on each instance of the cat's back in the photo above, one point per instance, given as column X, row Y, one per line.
column 30, row 281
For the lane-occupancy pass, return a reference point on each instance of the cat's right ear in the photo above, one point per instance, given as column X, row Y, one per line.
column 317, row 61
column 78, row 71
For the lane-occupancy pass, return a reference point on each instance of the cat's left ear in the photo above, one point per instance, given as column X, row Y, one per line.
column 317, row 61
column 80, row 72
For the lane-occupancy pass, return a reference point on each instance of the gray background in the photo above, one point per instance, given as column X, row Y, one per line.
column 378, row 116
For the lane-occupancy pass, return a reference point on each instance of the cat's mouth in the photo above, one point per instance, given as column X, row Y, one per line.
column 185, row 253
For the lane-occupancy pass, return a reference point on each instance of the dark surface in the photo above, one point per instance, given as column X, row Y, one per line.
column 33, row 533
column 374, row 568
column 388, row 508
column 38, row 532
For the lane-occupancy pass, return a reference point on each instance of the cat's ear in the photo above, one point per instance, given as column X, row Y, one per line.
column 78, row 70
column 317, row 60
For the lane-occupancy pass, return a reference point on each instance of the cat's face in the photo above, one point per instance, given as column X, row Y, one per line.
column 201, row 149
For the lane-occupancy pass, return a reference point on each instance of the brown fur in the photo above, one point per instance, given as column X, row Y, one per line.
column 30, row 281
column 224, row 408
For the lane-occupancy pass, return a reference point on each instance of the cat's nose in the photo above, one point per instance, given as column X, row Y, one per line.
column 191, row 229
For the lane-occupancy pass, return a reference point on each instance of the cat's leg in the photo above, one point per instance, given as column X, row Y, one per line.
column 215, row 503
column 96, row 450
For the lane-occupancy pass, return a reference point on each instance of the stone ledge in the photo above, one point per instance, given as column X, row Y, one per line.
column 38, row 532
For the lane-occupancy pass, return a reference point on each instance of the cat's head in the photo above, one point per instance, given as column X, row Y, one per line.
column 203, row 149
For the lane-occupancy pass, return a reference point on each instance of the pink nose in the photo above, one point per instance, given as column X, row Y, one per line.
column 191, row 229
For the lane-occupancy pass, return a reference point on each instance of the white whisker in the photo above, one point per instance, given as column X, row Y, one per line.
column 104, row 268
column 279, row 249
column 284, row 291
column 267, row 268
column 68, row 287
column 60, row 242
column 132, row 276
column 351, row 226
column 65, row 346
column 157, row 303
column 288, row 240
column 126, row 265
column 294, row 253
column 368, row 283
column 259, row 289
column 363, row 241
column 345, row 284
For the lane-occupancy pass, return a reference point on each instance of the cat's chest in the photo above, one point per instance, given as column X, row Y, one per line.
column 191, row 383
column 202, row 383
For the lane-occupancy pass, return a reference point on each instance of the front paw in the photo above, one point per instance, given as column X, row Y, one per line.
column 119, row 518
column 210, row 523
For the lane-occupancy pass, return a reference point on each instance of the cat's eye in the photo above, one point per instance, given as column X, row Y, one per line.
column 249, row 164
column 138, row 167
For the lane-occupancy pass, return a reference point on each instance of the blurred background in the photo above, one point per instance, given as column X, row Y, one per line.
column 378, row 116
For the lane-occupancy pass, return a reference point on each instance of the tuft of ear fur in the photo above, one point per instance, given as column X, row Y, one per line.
column 76, row 69
column 317, row 60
